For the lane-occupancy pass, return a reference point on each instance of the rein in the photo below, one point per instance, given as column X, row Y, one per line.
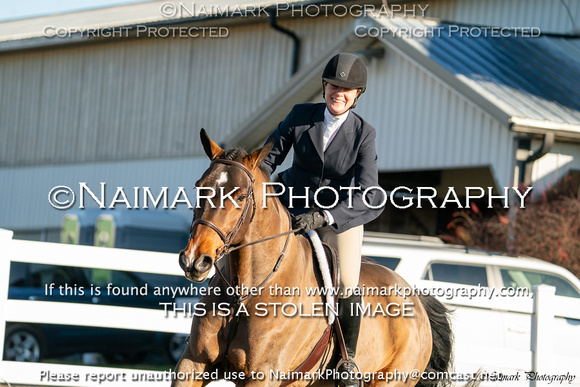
column 239, row 298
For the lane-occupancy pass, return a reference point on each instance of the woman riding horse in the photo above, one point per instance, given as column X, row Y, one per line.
column 334, row 155
column 334, row 148
column 255, row 240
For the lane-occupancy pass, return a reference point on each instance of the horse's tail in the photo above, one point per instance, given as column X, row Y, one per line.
column 442, row 336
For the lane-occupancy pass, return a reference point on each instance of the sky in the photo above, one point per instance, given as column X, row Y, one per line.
column 22, row 9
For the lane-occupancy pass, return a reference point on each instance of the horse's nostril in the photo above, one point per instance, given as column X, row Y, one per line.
column 182, row 260
column 203, row 263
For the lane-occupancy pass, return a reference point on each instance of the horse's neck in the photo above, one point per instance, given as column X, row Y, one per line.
column 253, row 264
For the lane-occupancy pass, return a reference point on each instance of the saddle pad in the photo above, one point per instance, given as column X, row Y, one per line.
column 320, row 254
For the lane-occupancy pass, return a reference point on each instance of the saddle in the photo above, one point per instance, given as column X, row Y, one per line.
column 332, row 258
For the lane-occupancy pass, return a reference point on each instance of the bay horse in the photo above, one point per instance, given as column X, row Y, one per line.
column 263, row 345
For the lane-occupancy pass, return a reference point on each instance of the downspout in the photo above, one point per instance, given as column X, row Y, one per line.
column 296, row 49
column 525, row 175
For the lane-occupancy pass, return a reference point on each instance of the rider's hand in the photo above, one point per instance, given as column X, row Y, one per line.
column 311, row 220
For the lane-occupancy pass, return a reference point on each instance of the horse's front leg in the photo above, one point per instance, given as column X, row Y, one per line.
column 205, row 349
column 188, row 372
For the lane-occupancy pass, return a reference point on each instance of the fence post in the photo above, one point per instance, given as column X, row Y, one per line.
column 5, row 252
column 542, row 331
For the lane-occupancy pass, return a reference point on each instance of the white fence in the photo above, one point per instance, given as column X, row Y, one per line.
column 517, row 336
column 81, row 314
column 545, row 314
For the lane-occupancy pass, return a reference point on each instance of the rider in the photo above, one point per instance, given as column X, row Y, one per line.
column 333, row 148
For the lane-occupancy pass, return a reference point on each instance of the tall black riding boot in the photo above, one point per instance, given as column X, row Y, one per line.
column 349, row 318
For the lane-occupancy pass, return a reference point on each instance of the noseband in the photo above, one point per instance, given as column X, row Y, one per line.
column 228, row 238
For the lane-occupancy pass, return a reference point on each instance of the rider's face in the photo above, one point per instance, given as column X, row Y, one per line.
column 339, row 99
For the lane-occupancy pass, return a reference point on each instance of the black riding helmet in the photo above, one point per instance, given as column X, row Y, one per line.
column 346, row 70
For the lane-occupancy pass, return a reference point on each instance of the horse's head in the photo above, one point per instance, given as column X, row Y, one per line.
column 225, row 206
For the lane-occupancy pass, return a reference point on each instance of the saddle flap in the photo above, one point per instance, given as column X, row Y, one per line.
column 332, row 257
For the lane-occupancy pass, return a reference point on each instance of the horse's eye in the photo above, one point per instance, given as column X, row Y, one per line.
column 241, row 198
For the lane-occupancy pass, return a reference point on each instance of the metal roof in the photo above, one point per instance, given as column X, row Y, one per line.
column 126, row 21
column 529, row 80
column 156, row 11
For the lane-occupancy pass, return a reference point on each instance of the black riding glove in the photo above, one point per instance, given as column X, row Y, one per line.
column 311, row 220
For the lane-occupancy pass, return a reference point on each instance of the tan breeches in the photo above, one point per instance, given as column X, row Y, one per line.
column 349, row 246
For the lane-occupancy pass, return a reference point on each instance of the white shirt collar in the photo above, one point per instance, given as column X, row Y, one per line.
column 331, row 126
column 331, row 120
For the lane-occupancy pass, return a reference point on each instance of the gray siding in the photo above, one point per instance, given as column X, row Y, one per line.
column 25, row 190
column 548, row 170
column 143, row 98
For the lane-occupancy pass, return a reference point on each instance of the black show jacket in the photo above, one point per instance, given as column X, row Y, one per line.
column 350, row 160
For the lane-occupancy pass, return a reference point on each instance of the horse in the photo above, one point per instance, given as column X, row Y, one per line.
column 266, row 267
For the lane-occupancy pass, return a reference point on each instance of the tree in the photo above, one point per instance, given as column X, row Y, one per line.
column 547, row 228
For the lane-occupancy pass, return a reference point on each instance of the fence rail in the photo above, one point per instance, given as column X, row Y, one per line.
column 543, row 310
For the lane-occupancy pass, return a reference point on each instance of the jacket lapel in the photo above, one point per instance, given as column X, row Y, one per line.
column 317, row 130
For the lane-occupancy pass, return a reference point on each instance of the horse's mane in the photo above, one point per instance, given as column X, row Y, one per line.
column 235, row 153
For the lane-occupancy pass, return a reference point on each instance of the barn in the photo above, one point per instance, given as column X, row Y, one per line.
column 103, row 108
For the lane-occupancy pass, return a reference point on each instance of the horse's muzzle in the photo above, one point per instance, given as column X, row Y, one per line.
column 198, row 269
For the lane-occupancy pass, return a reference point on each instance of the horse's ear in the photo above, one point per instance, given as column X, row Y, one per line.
column 212, row 150
column 255, row 158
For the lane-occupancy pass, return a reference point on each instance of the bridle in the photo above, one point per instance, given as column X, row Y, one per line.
column 228, row 238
